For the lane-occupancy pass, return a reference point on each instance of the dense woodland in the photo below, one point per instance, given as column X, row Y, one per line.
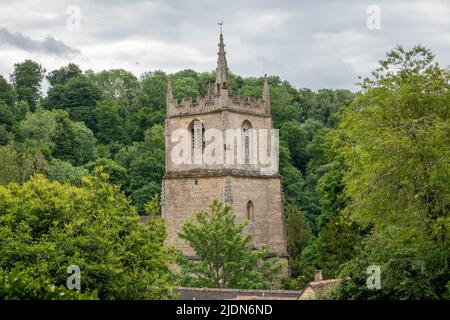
column 365, row 178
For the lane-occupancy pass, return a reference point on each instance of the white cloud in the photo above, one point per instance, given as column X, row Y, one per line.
column 310, row 43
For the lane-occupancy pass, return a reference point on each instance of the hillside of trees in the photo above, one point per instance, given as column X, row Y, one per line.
column 365, row 176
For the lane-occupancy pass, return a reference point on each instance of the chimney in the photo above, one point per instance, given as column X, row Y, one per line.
column 318, row 275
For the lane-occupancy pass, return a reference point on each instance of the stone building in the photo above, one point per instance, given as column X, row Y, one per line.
column 189, row 187
column 185, row 293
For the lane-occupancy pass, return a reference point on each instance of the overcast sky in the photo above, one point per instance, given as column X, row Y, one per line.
column 311, row 44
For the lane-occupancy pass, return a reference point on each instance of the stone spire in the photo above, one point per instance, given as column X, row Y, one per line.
column 169, row 93
column 265, row 94
column 222, row 81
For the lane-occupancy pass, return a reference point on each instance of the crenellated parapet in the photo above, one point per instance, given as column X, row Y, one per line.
column 214, row 103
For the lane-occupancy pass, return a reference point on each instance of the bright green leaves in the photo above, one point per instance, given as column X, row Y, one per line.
column 227, row 260
column 46, row 226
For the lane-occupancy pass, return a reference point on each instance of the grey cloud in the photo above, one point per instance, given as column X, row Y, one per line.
column 313, row 44
column 49, row 45
column 310, row 43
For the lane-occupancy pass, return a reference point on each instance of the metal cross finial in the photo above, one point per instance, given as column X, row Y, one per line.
column 220, row 24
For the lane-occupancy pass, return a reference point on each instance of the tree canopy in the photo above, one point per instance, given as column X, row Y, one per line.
column 226, row 257
column 46, row 226
column 365, row 180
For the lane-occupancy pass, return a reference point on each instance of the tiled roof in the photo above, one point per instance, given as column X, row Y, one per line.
column 322, row 283
column 318, row 287
column 235, row 294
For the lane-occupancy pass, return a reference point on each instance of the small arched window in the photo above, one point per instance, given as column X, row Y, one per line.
column 246, row 126
column 250, row 214
column 197, row 131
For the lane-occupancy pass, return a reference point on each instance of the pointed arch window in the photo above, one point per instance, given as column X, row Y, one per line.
column 246, row 126
column 250, row 214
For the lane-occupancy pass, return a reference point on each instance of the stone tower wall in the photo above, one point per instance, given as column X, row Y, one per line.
column 184, row 196
column 218, row 120
column 188, row 188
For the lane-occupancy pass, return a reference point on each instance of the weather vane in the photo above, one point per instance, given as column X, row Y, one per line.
column 220, row 24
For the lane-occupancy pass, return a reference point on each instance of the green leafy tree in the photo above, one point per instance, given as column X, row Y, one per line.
column 143, row 119
column 144, row 162
column 206, row 80
column 298, row 236
column 302, row 154
column 152, row 91
column 9, row 170
column 117, row 174
column 7, row 116
column 339, row 241
column 110, row 125
column 184, row 87
column 295, row 138
column 73, row 141
column 19, row 162
column 152, row 207
column 7, row 93
column 64, row 171
column 63, row 74
column 12, row 114
column 395, row 144
column 26, row 78
column 54, row 134
column 325, row 105
column 19, row 285
column 38, row 130
column 5, row 136
column 227, row 260
column 292, row 178
column 118, row 84
column 46, row 226
column 151, row 97
column 78, row 96
column 330, row 188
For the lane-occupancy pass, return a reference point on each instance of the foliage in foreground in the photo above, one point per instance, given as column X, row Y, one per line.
column 396, row 146
column 19, row 285
column 227, row 259
column 374, row 191
column 46, row 226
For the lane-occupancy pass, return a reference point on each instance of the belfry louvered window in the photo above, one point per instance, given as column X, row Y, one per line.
column 197, row 136
column 246, row 126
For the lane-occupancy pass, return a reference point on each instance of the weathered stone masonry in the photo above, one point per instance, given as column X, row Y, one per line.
column 187, row 188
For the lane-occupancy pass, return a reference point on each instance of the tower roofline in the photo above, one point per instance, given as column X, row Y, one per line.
column 220, row 97
column 222, row 78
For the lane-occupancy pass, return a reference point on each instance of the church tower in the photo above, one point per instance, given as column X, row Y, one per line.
column 190, row 186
